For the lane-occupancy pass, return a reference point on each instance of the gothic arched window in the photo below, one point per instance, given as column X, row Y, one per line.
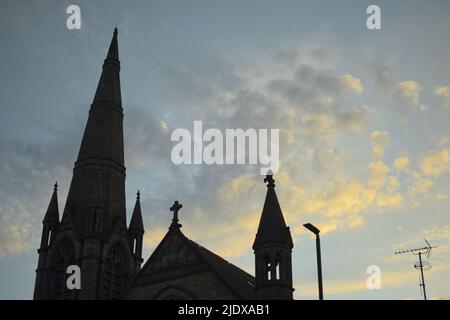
column 112, row 276
column 268, row 267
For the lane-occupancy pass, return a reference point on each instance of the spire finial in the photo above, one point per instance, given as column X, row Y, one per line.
column 55, row 186
column 175, row 208
column 269, row 179
column 138, row 195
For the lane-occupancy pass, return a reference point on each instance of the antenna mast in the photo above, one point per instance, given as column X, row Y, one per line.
column 421, row 265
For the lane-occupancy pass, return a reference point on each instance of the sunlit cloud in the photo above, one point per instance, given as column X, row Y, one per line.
column 401, row 163
column 352, row 83
column 380, row 141
column 436, row 164
column 408, row 95
column 444, row 92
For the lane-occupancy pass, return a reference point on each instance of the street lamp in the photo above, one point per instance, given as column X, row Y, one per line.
column 316, row 231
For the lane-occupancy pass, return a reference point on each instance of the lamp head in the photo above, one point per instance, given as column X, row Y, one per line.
column 311, row 228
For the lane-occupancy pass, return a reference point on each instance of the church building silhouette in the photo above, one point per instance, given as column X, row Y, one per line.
column 93, row 234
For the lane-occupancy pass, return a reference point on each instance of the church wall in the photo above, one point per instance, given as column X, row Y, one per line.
column 203, row 285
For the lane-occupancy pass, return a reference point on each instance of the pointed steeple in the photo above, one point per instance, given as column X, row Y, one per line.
column 103, row 136
column 136, row 233
column 108, row 89
column 136, row 223
column 272, row 228
column 101, row 151
column 95, row 212
column 113, row 52
column 52, row 214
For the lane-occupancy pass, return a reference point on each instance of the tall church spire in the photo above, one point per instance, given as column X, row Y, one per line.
column 93, row 232
column 101, row 151
column 103, row 136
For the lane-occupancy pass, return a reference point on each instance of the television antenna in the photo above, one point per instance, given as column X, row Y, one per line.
column 421, row 265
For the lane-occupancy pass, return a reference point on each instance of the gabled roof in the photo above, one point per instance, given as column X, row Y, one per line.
column 239, row 282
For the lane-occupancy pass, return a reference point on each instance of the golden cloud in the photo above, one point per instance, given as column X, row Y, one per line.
column 436, row 163
column 408, row 92
column 154, row 236
column 352, row 83
column 444, row 92
column 332, row 287
column 421, row 185
column 378, row 174
column 401, row 163
column 380, row 140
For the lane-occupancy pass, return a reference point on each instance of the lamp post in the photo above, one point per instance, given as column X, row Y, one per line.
column 316, row 231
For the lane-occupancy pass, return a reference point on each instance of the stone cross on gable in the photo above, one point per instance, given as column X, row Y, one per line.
column 175, row 208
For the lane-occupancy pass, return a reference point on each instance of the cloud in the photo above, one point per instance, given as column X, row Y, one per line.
column 26, row 171
column 408, row 95
column 401, row 163
column 389, row 200
column 319, row 125
column 153, row 236
column 14, row 236
column 336, row 287
column 231, row 191
column 435, row 235
column 352, row 83
column 380, row 140
column 444, row 92
column 436, row 163
column 420, row 185
column 354, row 120
column 385, row 78
column 378, row 174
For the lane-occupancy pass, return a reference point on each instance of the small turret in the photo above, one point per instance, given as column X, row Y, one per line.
column 51, row 219
column 273, row 248
column 136, row 228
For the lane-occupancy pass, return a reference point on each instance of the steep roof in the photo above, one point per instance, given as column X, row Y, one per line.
column 136, row 223
column 239, row 282
column 272, row 227
column 108, row 89
column 52, row 214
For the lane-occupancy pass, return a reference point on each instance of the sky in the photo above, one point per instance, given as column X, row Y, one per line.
column 363, row 117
